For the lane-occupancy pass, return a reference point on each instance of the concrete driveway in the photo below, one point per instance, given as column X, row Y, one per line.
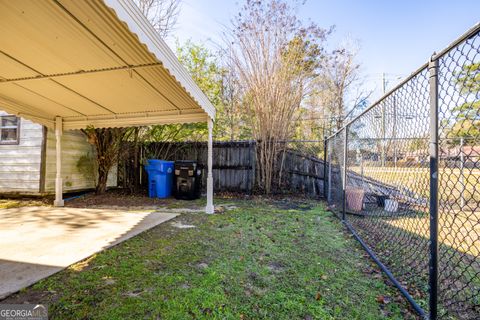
column 36, row 242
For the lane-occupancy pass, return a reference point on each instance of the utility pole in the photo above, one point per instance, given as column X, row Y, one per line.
column 384, row 83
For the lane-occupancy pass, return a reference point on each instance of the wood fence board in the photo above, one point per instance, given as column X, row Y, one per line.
column 234, row 166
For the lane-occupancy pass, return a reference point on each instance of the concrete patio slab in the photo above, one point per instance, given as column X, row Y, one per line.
column 36, row 242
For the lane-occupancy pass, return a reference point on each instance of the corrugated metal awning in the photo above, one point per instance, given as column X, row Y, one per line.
column 91, row 62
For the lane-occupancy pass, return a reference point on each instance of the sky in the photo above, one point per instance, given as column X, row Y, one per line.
column 394, row 37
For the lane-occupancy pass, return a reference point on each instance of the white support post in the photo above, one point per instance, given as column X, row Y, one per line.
column 58, row 180
column 210, row 209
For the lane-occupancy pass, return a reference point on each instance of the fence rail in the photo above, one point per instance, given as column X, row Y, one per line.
column 404, row 175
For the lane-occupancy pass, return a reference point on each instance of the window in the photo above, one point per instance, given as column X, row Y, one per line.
column 9, row 129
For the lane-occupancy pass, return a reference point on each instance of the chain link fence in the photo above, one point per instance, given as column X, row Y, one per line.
column 335, row 158
column 404, row 177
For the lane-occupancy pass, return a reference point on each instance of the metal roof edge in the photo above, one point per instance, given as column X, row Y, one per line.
column 128, row 12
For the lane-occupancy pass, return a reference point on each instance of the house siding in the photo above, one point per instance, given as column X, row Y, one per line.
column 20, row 163
column 75, row 175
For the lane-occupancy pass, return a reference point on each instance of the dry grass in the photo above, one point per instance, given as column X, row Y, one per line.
column 16, row 203
column 417, row 180
column 458, row 230
column 402, row 244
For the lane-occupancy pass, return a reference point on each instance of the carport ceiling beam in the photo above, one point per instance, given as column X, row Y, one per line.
column 135, row 120
column 81, row 72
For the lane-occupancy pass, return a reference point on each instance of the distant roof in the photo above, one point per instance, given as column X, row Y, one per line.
column 455, row 151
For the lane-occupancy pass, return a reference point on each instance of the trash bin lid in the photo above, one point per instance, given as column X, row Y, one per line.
column 185, row 164
column 156, row 162
column 185, row 161
column 160, row 166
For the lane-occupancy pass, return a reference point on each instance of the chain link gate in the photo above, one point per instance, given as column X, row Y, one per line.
column 404, row 176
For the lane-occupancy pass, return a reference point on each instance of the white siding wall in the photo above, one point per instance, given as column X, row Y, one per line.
column 74, row 146
column 20, row 164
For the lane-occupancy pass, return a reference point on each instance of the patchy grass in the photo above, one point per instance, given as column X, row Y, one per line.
column 258, row 260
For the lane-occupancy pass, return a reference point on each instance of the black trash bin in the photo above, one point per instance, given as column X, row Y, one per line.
column 187, row 180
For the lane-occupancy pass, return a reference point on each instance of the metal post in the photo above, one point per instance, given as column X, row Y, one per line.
column 383, row 160
column 248, row 173
column 329, row 187
column 345, row 151
column 325, row 150
column 433, row 265
column 462, row 178
column 394, row 140
column 361, row 170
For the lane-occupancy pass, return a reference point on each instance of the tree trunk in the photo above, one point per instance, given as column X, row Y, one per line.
column 136, row 150
column 102, row 181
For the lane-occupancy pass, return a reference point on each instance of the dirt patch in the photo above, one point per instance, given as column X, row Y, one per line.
column 180, row 225
column 32, row 296
column 121, row 198
column 293, row 204
column 276, row 266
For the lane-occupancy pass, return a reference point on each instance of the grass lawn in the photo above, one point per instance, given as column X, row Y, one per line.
column 260, row 259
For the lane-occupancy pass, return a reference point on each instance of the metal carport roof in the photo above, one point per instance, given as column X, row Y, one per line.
column 91, row 62
column 68, row 64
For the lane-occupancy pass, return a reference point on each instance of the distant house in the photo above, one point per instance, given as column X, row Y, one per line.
column 472, row 153
column 419, row 156
column 27, row 159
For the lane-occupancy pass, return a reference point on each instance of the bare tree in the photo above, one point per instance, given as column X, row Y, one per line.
column 275, row 58
column 339, row 94
column 231, row 116
column 162, row 14
column 107, row 142
column 340, row 75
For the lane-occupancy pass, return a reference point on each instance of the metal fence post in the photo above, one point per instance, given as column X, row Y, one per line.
column 344, row 173
column 325, row 150
column 462, row 178
column 433, row 263
column 329, row 174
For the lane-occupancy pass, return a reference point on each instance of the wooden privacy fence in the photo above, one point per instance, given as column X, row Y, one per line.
column 234, row 166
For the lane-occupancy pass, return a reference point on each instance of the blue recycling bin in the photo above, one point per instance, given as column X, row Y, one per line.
column 152, row 183
column 160, row 178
